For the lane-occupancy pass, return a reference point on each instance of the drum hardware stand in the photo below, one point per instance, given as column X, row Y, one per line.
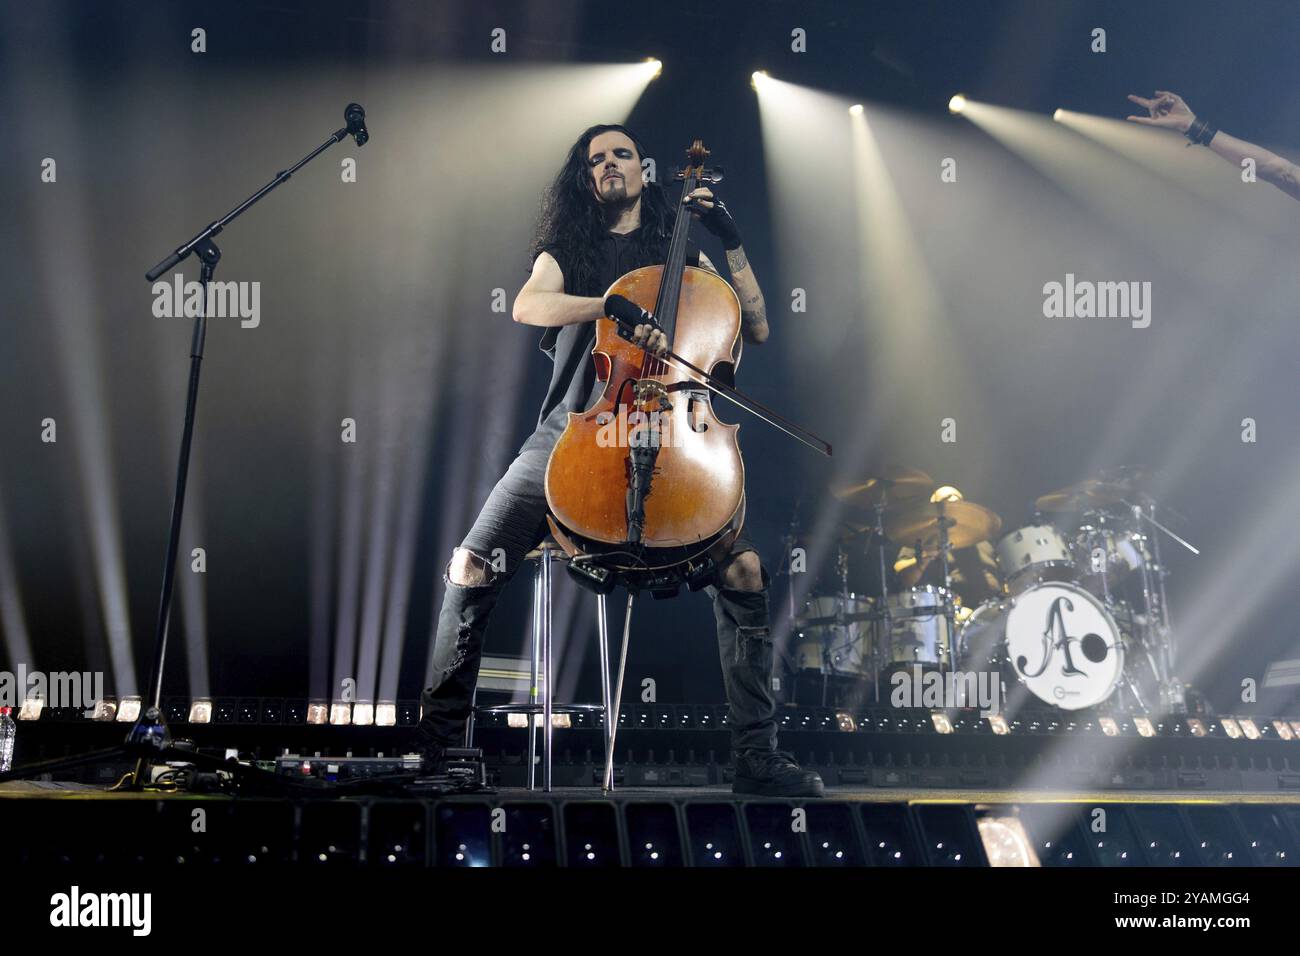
column 841, row 622
column 886, row 622
column 1155, row 670
column 787, row 543
column 1159, row 632
column 1132, row 685
column 948, row 610
column 1104, row 570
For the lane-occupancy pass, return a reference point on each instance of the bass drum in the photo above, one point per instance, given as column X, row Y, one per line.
column 1054, row 639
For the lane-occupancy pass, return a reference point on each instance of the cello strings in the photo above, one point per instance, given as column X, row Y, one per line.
column 671, row 286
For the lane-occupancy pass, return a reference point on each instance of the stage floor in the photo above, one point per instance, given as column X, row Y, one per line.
column 713, row 794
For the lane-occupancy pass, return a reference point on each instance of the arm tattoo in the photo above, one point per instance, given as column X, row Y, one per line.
column 753, row 314
column 753, row 310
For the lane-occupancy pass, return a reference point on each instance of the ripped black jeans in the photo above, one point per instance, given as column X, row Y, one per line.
column 512, row 523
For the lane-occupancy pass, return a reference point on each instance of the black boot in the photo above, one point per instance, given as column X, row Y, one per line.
column 773, row 773
column 458, row 647
column 433, row 754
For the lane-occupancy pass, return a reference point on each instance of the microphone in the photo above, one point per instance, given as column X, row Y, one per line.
column 355, row 117
column 627, row 313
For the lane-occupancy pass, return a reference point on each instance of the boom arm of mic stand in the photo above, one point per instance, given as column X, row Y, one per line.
column 214, row 228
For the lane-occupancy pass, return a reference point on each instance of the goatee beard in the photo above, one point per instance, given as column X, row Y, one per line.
column 616, row 205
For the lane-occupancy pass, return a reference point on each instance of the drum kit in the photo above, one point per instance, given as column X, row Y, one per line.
column 1077, row 618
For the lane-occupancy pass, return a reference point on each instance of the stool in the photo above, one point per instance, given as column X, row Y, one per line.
column 539, row 693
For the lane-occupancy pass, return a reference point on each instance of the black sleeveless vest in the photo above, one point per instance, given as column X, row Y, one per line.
column 573, row 377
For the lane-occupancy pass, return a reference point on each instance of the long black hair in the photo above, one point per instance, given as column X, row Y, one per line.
column 573, row 219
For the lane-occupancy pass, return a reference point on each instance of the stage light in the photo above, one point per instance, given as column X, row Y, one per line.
column 1196, row 726
column 855, row 109
column 1283, row 730
column 957, row 104
column 105, row 709
column 31, row 709
column 846, row 723
column 656, row 66
column 558, row 721
column 999, row 724
column 1230, row 727
column 1109, row 727
column 757, row 77
column 941, row 721
column 340, row 714
column 1249, row 728
column 363, row 715
column 1005, row 842
column 201, row 711
column 1144, row 726
column 129, row 709
column 385, row 714
column 317, row 712
column 1058, row 114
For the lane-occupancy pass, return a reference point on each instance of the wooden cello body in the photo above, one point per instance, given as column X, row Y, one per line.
column 650, row 414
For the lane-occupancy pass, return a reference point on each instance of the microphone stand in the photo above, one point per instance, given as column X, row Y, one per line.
column 149, row 736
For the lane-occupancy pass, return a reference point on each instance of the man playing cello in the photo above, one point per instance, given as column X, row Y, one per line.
column 600, row 221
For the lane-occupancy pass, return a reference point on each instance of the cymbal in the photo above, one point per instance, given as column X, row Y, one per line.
column 1089, row 494
column 894, row 483
column 968, row 523
column 1133, row 474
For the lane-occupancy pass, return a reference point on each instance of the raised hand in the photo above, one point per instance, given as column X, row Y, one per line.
column 1166, row 110
column 714, row 216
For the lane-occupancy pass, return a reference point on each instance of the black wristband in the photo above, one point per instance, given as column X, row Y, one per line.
column 719, row 222
column 1200, row 132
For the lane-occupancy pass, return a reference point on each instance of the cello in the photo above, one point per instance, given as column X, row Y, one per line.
column 647, row 486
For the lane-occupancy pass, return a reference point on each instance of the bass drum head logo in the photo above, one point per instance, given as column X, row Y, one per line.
column 1064, row 646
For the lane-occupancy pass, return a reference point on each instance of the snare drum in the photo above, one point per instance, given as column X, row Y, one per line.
column 918, row 628
column 1032, row 554
column 821, row 644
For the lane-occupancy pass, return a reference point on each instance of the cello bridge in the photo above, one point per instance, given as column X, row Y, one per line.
column 649, row 390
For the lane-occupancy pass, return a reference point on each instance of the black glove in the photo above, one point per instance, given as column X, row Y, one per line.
column 719, row 222
column 628, row 315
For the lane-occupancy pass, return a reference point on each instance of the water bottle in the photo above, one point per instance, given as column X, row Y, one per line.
column 8, row 731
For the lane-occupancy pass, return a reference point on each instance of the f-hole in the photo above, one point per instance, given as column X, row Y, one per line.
column 696, row 426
